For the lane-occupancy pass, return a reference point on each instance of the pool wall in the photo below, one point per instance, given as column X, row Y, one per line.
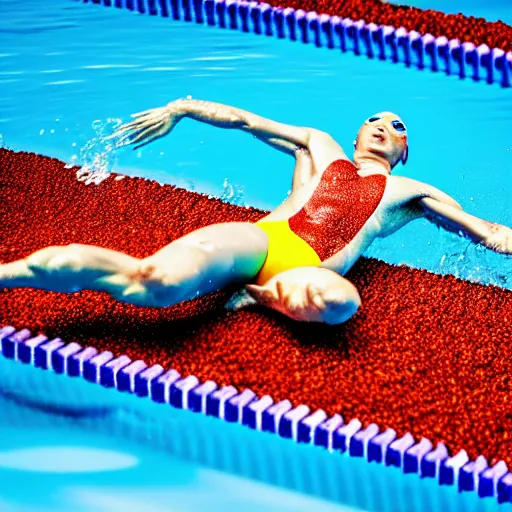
column 414, row 48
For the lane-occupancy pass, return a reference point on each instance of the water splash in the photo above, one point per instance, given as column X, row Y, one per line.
column 458, row 256
column 474, row 262
column 233, row 194
column 468, row 263
column 98, row 157
column 2, row 142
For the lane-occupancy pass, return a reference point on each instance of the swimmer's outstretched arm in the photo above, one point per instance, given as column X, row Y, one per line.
column 495, row 237
column 156, row 123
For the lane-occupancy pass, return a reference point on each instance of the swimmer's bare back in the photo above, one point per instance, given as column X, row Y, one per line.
column 219, row 255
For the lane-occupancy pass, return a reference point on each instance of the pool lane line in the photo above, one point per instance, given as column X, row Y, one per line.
column 298, row 423
column 383, row 42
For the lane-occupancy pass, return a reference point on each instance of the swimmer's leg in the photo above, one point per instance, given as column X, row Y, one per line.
column 309, row 294
column 201, row 262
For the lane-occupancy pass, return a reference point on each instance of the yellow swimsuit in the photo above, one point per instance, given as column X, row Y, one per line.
column 340, row 206
column 286, row 250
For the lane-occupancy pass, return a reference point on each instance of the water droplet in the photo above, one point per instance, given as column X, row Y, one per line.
column 233, row 194
column 98, row 155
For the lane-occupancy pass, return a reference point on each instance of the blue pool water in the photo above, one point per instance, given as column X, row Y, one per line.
column 66, row 67
column 135, row 456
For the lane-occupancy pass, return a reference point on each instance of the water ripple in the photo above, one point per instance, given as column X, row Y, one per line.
column 35, row 30
column 219, row 57
column 163, row 68
column 65, row 82
column 217, row 68
column 110, row 66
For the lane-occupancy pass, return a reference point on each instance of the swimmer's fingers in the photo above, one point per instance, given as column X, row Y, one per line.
column 280, row 291
column 126, row 132
column 137, row 126
column 141, row 123
column 282, row 299
column 315, row 298
column 144, row 136
column 292, row 300
column 261, row 294
column 157, row 117
column 306, row 299
column 148, row 134
column 295, row 302
column 128, row 127
column 157, row 133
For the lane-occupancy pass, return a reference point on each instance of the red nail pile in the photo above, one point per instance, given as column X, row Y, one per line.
column 464, row 28
column 426, row 354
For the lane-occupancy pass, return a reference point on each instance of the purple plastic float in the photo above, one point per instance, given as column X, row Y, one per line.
column 396, row 44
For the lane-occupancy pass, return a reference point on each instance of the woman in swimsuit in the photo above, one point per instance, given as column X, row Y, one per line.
column 293, row 260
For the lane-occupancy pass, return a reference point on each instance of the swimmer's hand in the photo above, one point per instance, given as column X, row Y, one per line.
column 309, row 294
column 296, row 302
column 499, row 239
column 149, row 125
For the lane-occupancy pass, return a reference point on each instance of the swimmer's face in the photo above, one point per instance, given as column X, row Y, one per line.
column 385, row 135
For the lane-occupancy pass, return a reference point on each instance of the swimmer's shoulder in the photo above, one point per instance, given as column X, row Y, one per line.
column 409, row 189
column 401, row 190
column 406, row 185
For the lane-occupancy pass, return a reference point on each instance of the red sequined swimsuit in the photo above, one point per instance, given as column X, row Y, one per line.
column 338, row 208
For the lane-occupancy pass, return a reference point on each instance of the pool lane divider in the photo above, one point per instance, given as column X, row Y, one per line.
column 383, row 42
column 298, row 423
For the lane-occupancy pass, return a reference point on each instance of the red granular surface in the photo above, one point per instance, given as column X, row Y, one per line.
column 427, row 354
column 453, row 26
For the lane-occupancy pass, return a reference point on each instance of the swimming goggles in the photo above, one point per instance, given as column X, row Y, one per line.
column 398, row 125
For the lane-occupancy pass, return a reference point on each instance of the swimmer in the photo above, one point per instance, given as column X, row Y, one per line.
column 294, row 259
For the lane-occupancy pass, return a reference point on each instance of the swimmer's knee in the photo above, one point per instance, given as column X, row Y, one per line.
column 146, row 284
column 162, row 284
